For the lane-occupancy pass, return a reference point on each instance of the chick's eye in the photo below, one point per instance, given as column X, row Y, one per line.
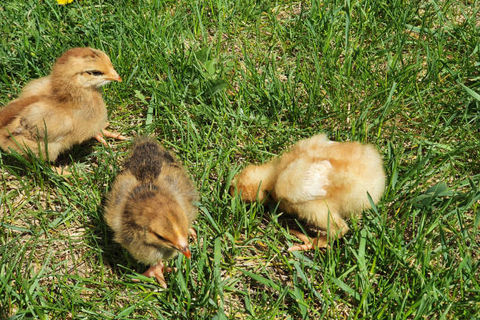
column 159, row 237
column 94, row 72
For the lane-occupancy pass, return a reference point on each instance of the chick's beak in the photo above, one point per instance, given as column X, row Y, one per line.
column 113, row 76
column 182, row 245
column 186, row 252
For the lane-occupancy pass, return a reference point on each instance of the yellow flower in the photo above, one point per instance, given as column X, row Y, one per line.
column 64, row 1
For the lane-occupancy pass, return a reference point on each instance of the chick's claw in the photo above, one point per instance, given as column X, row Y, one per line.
column 62, row 171
column 157, row 272
column 308, row 243
column 114, row 135
column 100, row 139
column 108, row 134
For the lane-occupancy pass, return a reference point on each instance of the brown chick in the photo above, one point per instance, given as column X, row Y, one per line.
column 64, row 108
column 320, row 181
column 151, row 207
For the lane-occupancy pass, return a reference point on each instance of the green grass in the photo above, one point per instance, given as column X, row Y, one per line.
column 226, row 83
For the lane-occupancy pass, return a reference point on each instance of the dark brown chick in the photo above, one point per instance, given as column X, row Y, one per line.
column 321, row 181
column 151, row 207
column 64, row 108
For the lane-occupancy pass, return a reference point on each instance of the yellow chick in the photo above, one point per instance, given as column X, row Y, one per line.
column 64, row 108
column 321, row 181
column 151, row 207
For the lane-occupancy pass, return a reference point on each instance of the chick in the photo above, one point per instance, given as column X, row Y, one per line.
column 151, row 207
column 62, row 109
column 320, row 181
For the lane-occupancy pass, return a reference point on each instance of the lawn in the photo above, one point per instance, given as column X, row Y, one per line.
column 226, row 83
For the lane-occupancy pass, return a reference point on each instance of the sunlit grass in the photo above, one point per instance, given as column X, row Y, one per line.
column 227, row 83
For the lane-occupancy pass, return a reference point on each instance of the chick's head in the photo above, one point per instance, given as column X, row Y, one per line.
column 250, row 184
column 85, row 67
column 163, row 222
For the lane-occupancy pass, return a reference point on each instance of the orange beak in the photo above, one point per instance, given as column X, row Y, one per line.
column 114, row 76
column 186, row 252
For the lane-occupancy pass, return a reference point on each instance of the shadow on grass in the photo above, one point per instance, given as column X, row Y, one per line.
column 113, row 254
column 21, row 166
column 75, row 154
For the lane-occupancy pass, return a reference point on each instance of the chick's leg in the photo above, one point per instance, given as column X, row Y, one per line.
column 308, row 243
column 108, row 134
column 319, row 214
column 157, row 272
column 62, row 171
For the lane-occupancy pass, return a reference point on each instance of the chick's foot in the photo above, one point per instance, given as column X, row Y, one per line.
column 157, row 272
column 108, row 134
column 308, row 243
column 62, row 171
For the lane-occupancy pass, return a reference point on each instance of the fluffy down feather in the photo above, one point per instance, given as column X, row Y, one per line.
column 320, row 181
column 151, row 207
column 64, row 108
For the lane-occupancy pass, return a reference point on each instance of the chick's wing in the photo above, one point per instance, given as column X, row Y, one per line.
column 40, row 119
column 304, row 179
